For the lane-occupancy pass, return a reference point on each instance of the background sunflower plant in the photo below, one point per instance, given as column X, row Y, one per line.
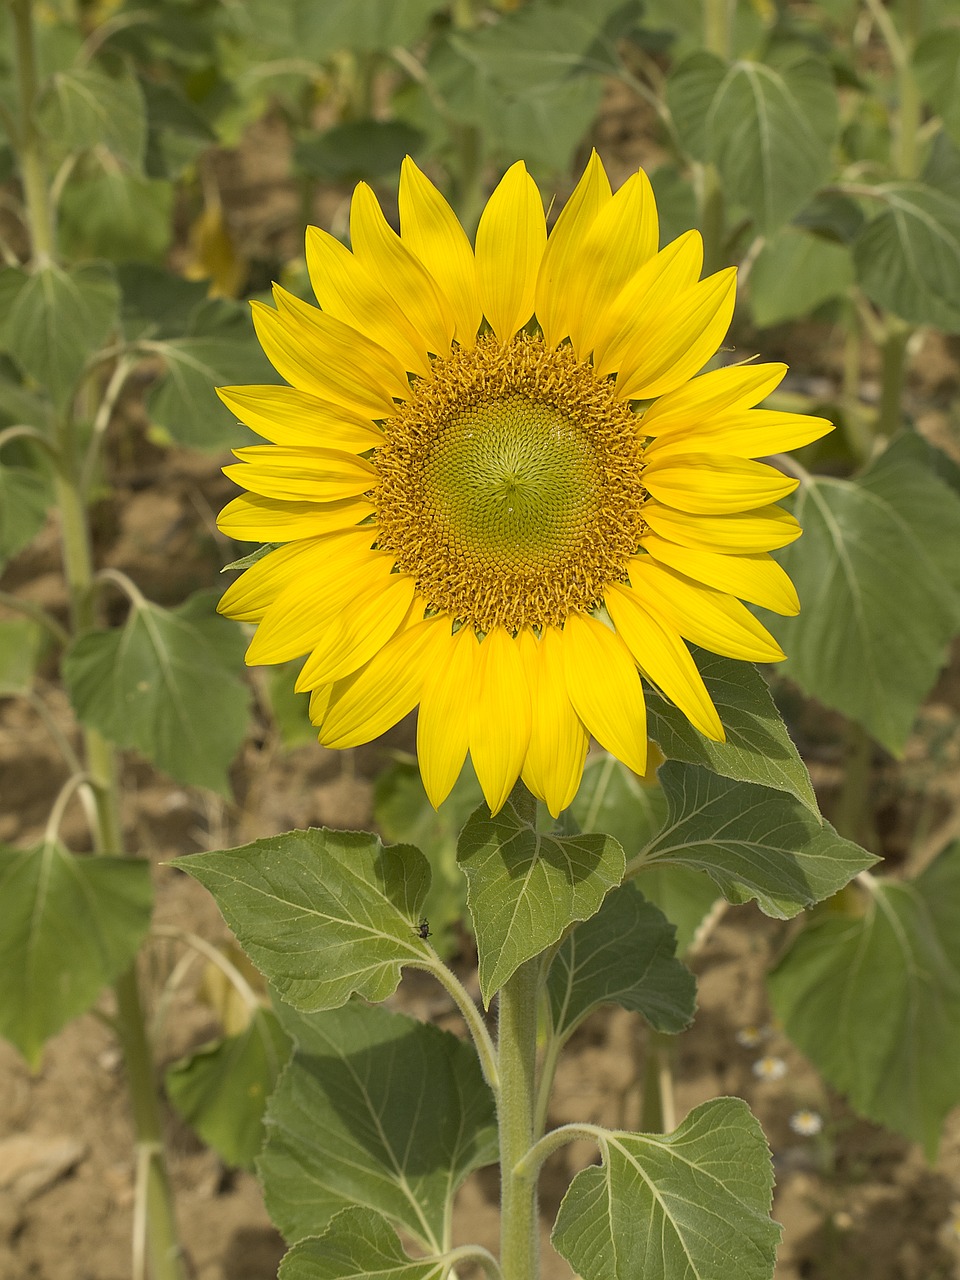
column 514, row 494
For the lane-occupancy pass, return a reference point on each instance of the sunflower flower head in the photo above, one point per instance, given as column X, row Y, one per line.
column 501, row 492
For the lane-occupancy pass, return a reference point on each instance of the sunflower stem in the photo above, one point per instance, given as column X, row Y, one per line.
column 519, row 1236
column 854, row 818
column 717, row 15
column 711, row 218
column 894, row 367
column 162, row 1249
column 517, row 1053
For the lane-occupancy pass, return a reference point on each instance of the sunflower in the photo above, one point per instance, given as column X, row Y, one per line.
column 501, row 493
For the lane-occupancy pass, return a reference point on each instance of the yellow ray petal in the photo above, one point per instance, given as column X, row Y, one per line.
column 319, row 701
column 745, row 532
column 681, row 339
column 302, row 614
column 284, row 415
column 314, row 475
column 318, row 363
column 738, row 386
column 661, row 654
column 499, row 731
column 444, row 719
column 345, row 289
column 429, row 227
column 605, row 689
column 648, row 294
column 557, row 297
column 366, row 621
column 253, row 518
column 387, row 258
column 753, row 433
column 367, row 703
column 714, row 483
column 709, row 618
column 247, row 598
column 757, row 578
column 554, row 763
column 511, row 239
column 622, row 239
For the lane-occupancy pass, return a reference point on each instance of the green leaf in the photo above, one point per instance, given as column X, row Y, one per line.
column 525, row 888
column 623, row 955
column 890, row 961
column 908, row 257
column 219, row 349
column 752, row 841
column 367, row 26
column 117, row 216
column 83, row 107
column 165, row 682
column 156, row 303
column 405, row 815
column 21, row 640
column 323, row 914
column 378, row 1111
column 69, row 926
column 358, row 1243
column 57, row 319
column 692, row 1204
column 935, row 62
column 769, row 130
column 879, row 579
column 24, row 498
column 794, row 274
column 613, row 799
column 758, row 747
column 221, row 1090
column 357, row 150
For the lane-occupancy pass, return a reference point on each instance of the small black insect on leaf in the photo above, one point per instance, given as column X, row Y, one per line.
column 422, row 928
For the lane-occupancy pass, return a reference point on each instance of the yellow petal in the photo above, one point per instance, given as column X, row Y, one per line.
column 709, row 618
column 557, row 298
column 648, row 294
column 605, row 689
column 745, row 532
column 429, row 227
column 367, row 703
column 255, row 590
column 623, row 237
column 253, row 518
column 387, row 258
column 714, row 483
column 681, row 339
column 367, row 619
column 511, row 239
column 284, row 415
column 326, row 360
column 444, row 720
column 752, row 433
column 345, row 289
column 499, row 730
column 738, row 386
column 302, row 614
column 558, row 746
column 757, row 578
column 662, row 656
column 314, row 475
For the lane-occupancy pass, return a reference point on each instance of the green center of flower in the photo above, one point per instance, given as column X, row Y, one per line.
column 512, row 483
column 509, row 485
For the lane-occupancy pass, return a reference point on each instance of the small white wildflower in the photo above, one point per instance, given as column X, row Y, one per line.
column 806, row 1122
column 751, row 1037
column 770, row 1067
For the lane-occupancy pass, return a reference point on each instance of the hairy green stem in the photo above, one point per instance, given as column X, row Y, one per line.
column 517, row 1051
column 716, row 26
column 711, row 218
column 658, row 1113
column 894, row 368
column 854, row 817
column 35, row 190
